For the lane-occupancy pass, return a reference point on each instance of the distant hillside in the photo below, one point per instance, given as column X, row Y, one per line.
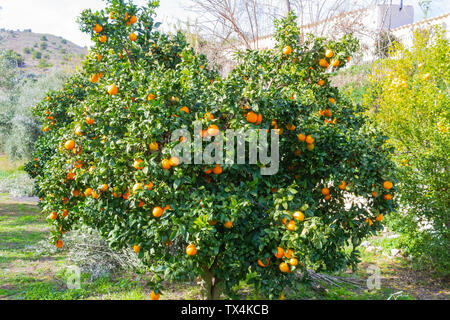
column 42, row 52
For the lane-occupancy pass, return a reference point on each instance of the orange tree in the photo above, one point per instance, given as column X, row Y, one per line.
column 109, row 164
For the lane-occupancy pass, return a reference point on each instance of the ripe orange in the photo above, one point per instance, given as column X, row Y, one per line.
column 213, row 130
column 191, row 250
column 154, row 296
column 133, row 19
column 290, row 127
column 136, row 248
column 102, row 39
column 157, row 212
column 280, row 253
column 329, row 53
column 325, row 191
column 208, row 116
column 112, row 89
column 137, row 164
column 153, row 146
column 59, row 244
column 343, row 185
column 379, row 217
column 75, row 193
column 89, row 120
column 321, row 82
column 259, row 120
column 291, row 225
column 174, row 161
column 309, row 139
column 136, row 187
column 95, row 195
column 323, row 63
column 132, row 36
column 78, row 131
column 387, row 197
column 332, row 100
column 104, row 187
column 301, row 137
column 207, row 170
column 288, row 254
column 369, row 221
column 203, row 133
column 388, row 185
column 327, row 197
column 88, row 191
column 94, row 78
column 217, row 169
column 151, row 96
column 53, row 215
column 261, row 264
column 287, row 50
column 299, row 215
column 98, row 28
column 252, row 117
column 228, row 224
column 284, row 267
column 374, row 194
column 69, row 145
column 335, row 63
column 165, row 163
column 149, row 186
column 184, row 109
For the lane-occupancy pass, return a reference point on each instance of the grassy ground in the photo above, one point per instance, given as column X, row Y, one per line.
column 25, row 274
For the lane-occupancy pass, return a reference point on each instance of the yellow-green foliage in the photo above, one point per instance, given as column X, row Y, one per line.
column 410, row 100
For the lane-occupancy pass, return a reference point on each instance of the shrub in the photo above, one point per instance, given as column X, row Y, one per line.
column 21, row 130
column 43, row 64
column 192, row 222
column 409, row 99
column 17, row 184
column 43, row 45
column 37, row 55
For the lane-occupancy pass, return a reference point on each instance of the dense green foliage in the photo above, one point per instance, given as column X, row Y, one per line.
column 86, row 170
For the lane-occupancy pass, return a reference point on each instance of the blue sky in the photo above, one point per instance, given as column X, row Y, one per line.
column 58, row 16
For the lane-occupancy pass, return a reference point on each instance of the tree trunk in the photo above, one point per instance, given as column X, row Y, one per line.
column 288, row 6
column 211, row 286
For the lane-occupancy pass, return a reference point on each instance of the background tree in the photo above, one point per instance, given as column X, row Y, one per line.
column 410, row 99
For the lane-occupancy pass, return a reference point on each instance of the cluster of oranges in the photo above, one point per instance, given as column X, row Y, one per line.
column 326, row 61
column 129, row 21
column 308, row 139
column 289, row 257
